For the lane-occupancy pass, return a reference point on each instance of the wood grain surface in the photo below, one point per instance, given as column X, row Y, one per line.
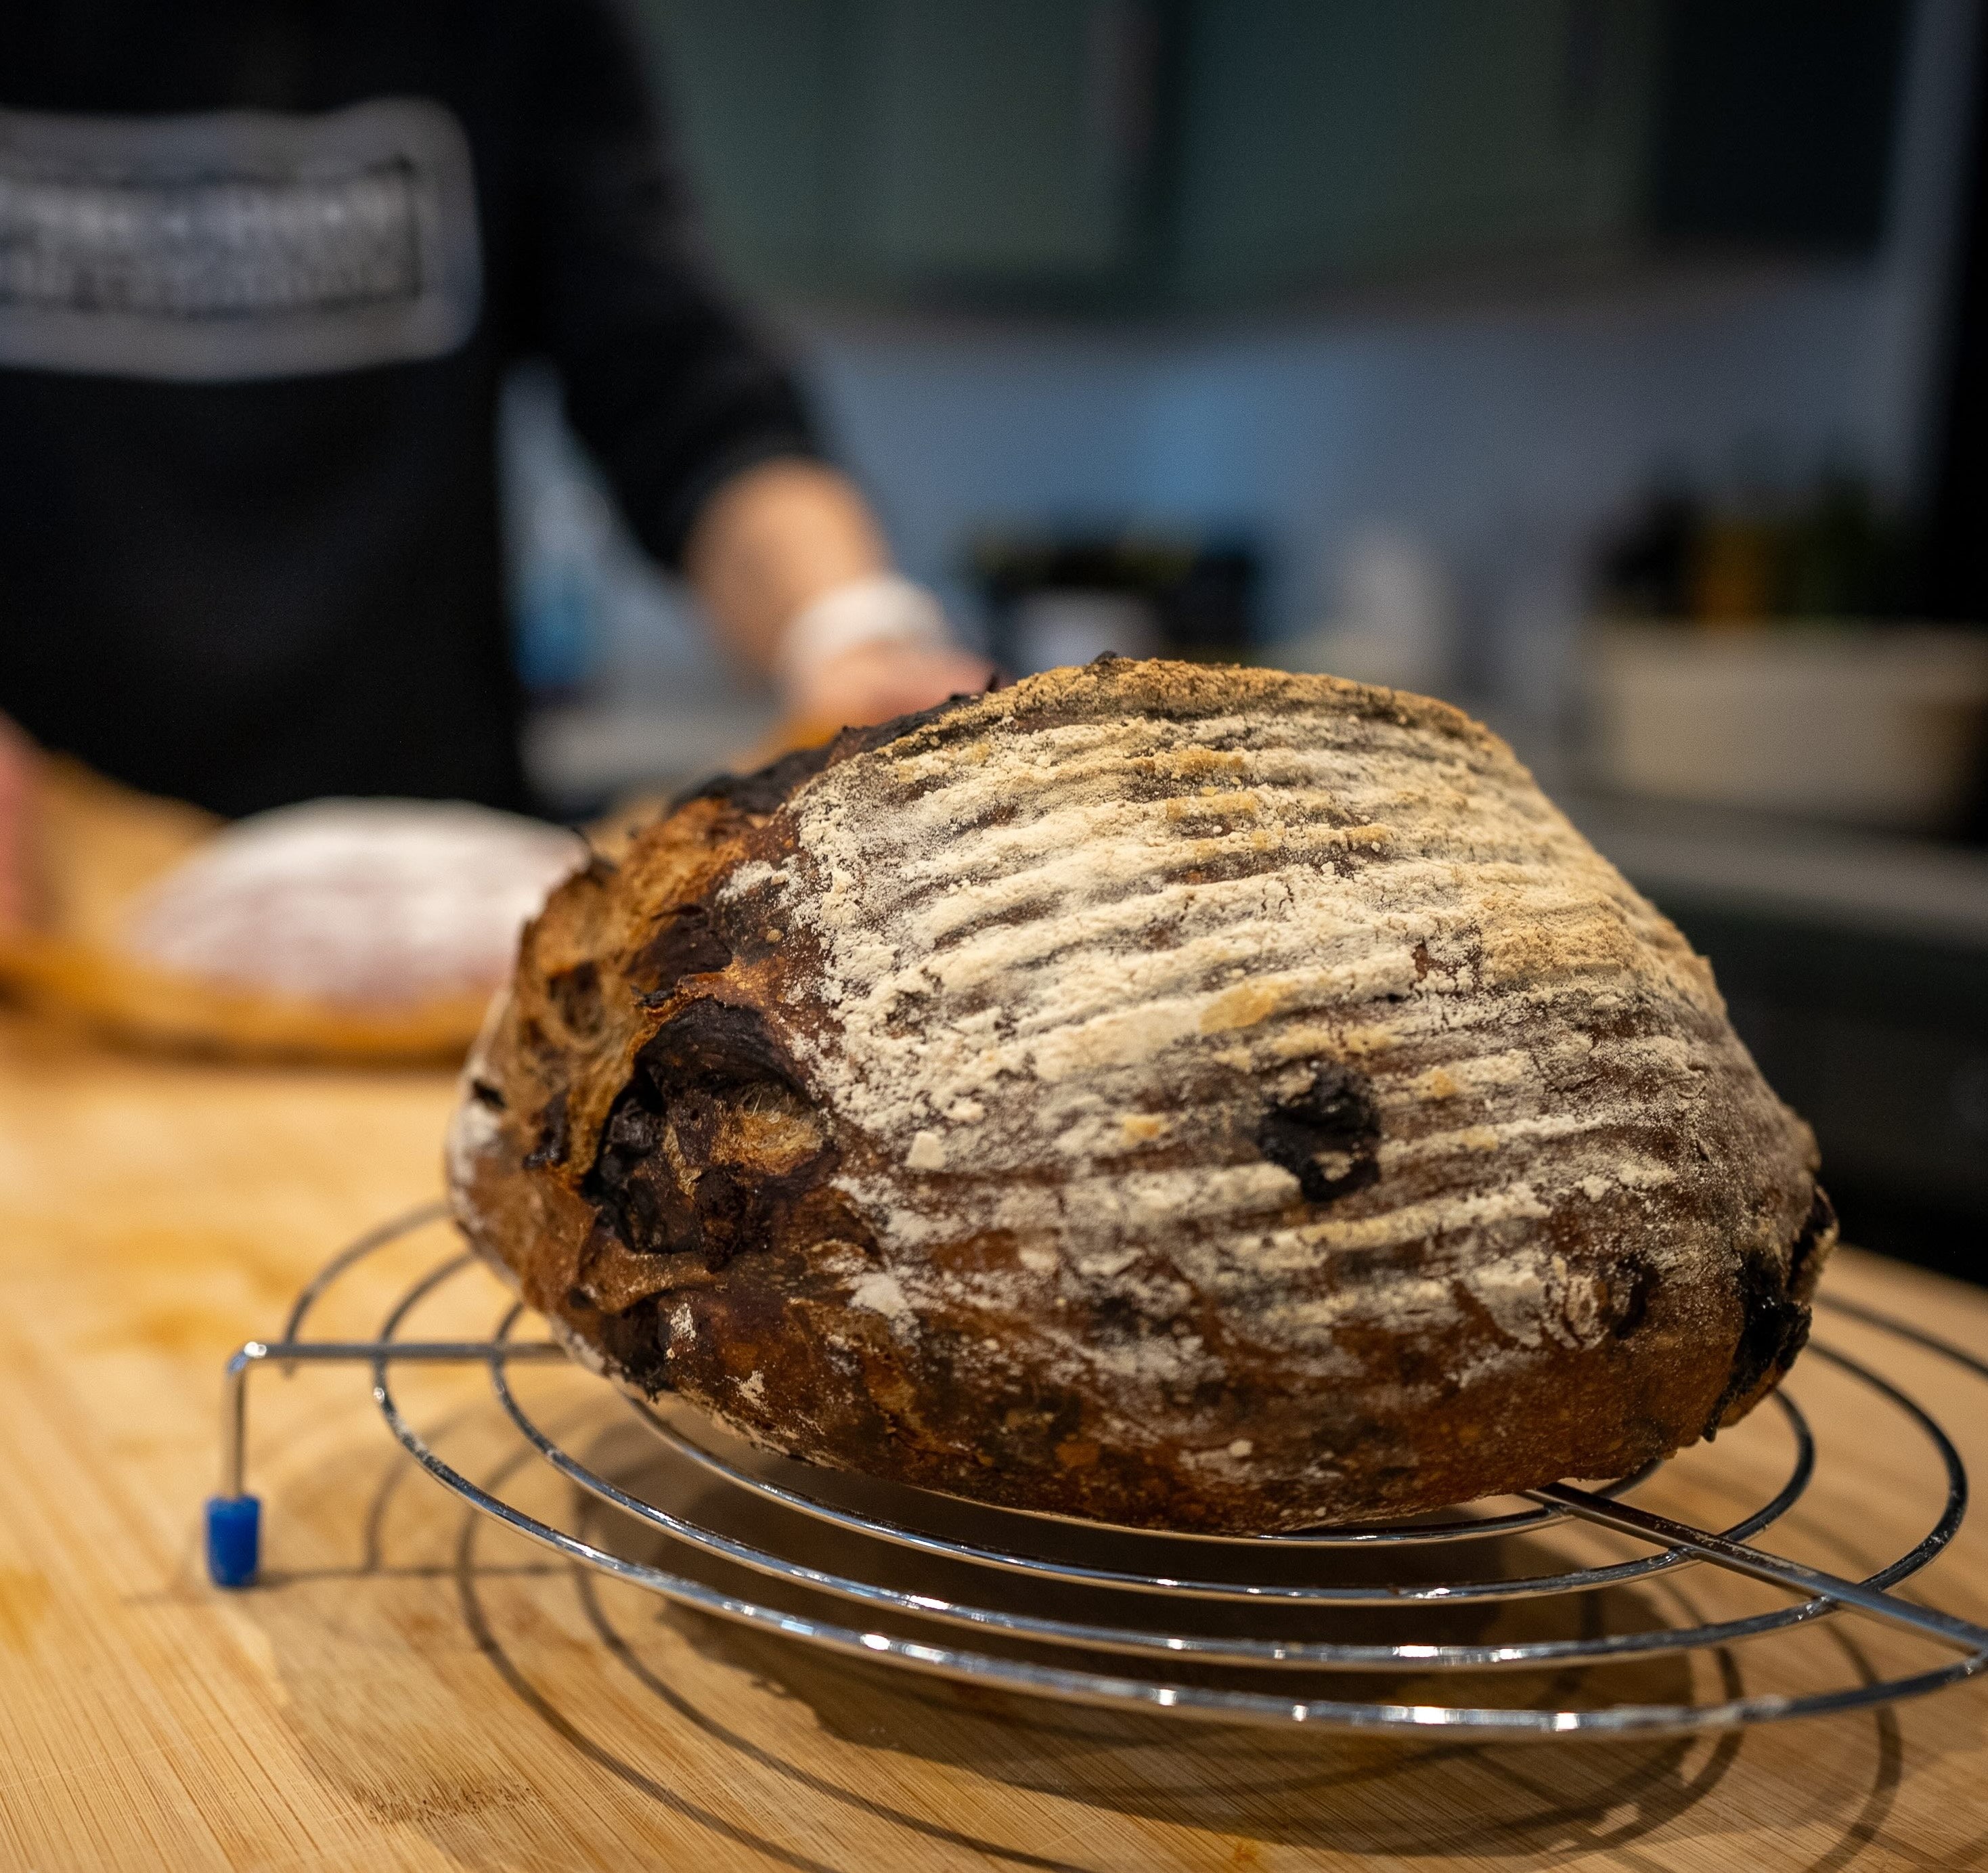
column 414, row 1687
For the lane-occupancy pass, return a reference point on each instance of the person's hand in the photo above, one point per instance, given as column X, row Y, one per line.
column 872, row 682
column 17, row 787
column 794, row 572
column 866, row 650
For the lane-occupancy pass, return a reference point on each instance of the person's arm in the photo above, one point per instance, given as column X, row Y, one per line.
column 17, row 774
column 790, row 563
column 695, row 418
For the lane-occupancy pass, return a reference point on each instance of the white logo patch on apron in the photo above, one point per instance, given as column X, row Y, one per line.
column 236, row 245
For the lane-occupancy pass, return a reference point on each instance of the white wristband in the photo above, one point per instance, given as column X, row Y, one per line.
column 884, row 608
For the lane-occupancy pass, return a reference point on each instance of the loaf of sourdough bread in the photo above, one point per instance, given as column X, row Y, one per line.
column 1205, row 1099
column 336, row 930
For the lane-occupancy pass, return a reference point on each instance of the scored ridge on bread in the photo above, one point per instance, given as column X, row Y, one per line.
column 1191, row 1097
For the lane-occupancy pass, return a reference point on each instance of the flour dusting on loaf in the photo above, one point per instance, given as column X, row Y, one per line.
column 1204, row 1098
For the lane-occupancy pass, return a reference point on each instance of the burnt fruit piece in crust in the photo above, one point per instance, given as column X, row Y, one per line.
column 1194, row 1098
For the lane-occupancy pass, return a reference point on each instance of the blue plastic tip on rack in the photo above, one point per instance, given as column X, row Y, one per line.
column 233, row 1539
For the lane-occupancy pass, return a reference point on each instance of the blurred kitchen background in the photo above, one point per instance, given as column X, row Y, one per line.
column 1616, row 368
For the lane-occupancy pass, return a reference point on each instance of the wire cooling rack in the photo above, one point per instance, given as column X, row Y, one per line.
column 1195, row 1625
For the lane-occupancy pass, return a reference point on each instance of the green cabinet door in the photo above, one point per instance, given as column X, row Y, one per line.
column 753, row 88
column 1150, row 154
column 904, row 149
column 1000, row 145
column 1329, row 141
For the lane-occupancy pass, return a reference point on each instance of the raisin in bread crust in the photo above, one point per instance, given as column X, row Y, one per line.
column 1216, row 1099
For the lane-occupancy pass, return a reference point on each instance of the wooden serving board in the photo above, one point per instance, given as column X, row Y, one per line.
column 412, row 1687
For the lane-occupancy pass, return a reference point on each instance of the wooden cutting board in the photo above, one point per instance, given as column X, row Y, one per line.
column 413, row 1688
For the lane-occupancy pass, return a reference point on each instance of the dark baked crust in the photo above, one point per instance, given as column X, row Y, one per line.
column 1442, row 1175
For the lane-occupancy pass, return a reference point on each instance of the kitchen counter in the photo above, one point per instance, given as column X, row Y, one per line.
column 1837, row 878
column 412, row 1687
column 1855, row 966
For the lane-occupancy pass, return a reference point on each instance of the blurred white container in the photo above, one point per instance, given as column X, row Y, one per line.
column 1871, row 727
column 1056, row 627
column 1393, row 617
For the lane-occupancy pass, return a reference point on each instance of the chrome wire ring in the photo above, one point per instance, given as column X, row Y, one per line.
column 944, row 1657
